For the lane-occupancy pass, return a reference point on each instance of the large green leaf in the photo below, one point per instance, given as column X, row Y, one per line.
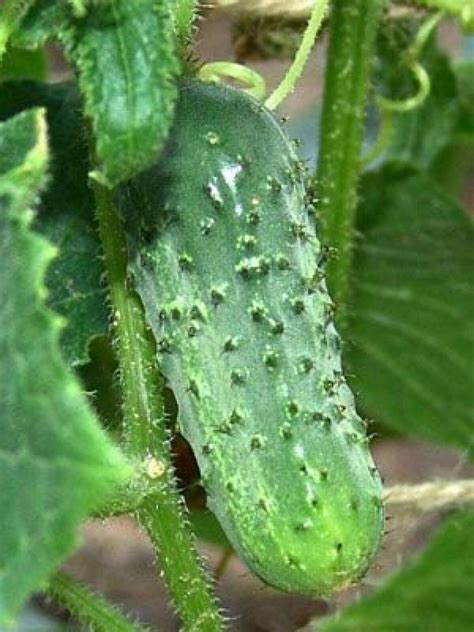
column 56, row 465
column 66, row 215
column 411, row 330
column 435, row 593
column 417, row 135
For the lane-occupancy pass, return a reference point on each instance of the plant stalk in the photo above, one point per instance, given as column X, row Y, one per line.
column 161, row 512
column 88, row 607
column 432, row 496
column 353, row 26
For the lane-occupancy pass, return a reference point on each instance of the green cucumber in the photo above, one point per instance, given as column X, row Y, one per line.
column 225, row 257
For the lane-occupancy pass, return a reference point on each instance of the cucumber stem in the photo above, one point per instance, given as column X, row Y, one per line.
column 88, row 607
column 353, row 26
column 161, row 512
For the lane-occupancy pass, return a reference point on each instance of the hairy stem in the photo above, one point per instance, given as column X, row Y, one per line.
column 89, row 607
column 161, row 511
column 353, row 26
column 184, row 14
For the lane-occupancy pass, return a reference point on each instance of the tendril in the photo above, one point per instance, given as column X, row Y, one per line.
column 388, row 107
column 288, row 83
column 215, row 72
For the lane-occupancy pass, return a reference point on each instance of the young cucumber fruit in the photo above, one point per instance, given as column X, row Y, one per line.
column 225, row 258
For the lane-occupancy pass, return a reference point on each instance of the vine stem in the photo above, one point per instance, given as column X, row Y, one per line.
column 353, row 26
column 161, row 511
column 88, row 607
column 432, row 496
column 295, row 70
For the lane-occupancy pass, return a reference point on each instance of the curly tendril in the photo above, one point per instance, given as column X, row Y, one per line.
column 388, row 106
column 215, row 71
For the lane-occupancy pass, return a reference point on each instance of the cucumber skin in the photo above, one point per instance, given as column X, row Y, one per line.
column 225, row 258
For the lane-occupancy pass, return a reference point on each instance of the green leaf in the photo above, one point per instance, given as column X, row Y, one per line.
column 435, row 592
column 56, row 465
column 124, row 52
column 411, row 307
column 23, row 64
column 126, row 59
column 418, row 135
column 66, row 215
column 11, row 13
column 41, row 23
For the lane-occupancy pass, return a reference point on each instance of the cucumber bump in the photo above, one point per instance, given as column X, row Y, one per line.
column 226, row 260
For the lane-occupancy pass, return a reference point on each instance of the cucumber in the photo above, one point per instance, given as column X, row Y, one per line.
column 225, row 258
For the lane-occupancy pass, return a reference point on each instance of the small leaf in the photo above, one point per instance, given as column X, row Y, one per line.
column 56, row 465
column 434, row 593
column 124, row 52
column 411, row 307
column 66, row 215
